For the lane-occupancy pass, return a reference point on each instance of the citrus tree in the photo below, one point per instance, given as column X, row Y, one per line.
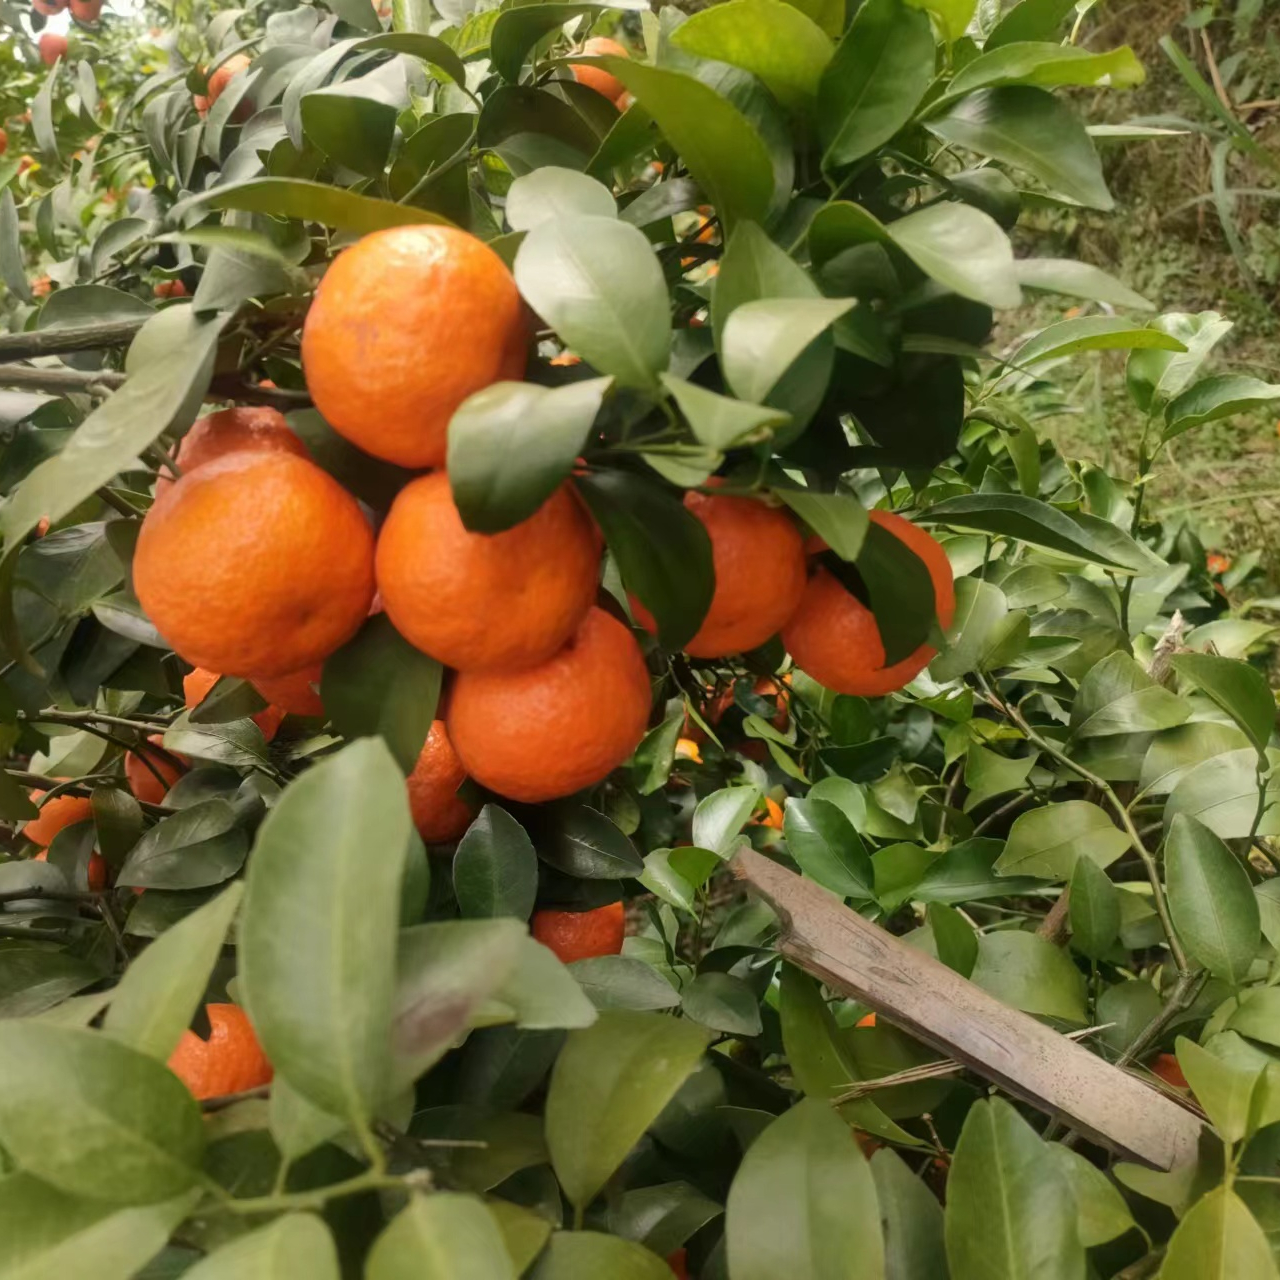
column 468, row 474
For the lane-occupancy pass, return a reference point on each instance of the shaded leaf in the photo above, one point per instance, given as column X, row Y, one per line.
column 495, row 868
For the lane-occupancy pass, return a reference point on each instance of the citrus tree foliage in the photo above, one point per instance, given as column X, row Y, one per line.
column 776, row 257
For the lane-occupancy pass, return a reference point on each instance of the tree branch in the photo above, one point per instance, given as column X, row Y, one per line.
column 81, row 337
column 95, row 382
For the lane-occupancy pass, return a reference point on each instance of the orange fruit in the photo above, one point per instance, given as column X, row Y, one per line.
column 52, row 47
column 1217, row 563
column 439, row 812
column 95, row 873
column 4, row 142
column 218, row 81
column 86, row 10
column 294, row 693
column 772, row 816
column 257, row 564
column 580, row 935
column 174, row 289
column 688, row 749
column 244, row 429
column 141, row 777
column 679, row 1264
column 229, row 1061
column 1167, row 1067
column 478, row 601
column 867, row 1020
column 42, row 286
column 405, row 325
column 197, row 684
column 55, row 814
column 596, row 77
column 833, row 636
column 759, row 561
column 554, row 729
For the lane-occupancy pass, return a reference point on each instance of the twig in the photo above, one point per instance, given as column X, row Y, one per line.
column 1214, row 74
column 1054, row 927
column 50, row 895
column 1007, row 807
column 1183, row 995
column 81, row 337
column 95, row 382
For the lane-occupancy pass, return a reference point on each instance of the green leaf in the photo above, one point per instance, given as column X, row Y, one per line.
column 200, row 846
column 720, row 817
column 1117, row 696
column 803, row 1203
column 95, row 1118
column 1211, row 900
column 1048, row 65
column 1094, row 909
column 379, row 685
column 874, row 83
column 597, row 282
column 1014, row 516
column 914, row 1243
column 514, row 443
column 12, row 268
column 822, row 840
column 763, row 339
column 663, row 1217
column 33, row 979
column 608, row 1086
column 723, row 1003
column 540, row 994
column 1077, row 280
column 954, row 937
column 1216, row 398
column 495, row 869
column 1030, row 20
column 1101, row 1212
column 656, row 754
column 359, row 13
column 1090, row 333
column 444, row 1236
column 1029, row 129
column 621, row 982
column 1222, row 792
column 1219, row 1239
column 588, row 1255
column 839, row 519
column 1031, row 974
column 953, row 16
column 298, row 1244
column 589, row 845
column 550, row 193
column 663, row 552
column 979, row 624
column 754, row 269
column 721, row 422
column 317, row 941
column 48, row 1235
column 988, row 774
column 722, row 151
column 417, row 45
column 352, row 130
column 314, row 202
column 42, row 115
column 1156, row 377
column 963, row 249
column 1010, row 1213
column 1224, row 1089
column 785, row 50
column 1239, row 689
column 154, row 1002
column 1047, row 841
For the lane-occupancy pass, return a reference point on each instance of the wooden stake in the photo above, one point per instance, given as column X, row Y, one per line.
column 936, row 1005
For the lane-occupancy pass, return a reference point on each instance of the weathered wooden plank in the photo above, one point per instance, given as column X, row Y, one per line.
column 1023, row 1056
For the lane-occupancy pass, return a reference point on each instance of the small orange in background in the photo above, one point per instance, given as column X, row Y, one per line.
column 833, row 636
column 687, row 749
column 565, row 360
column 41, row 287
column 87, row 11
column 141, row 775
column 4, row 142
column 170, row 289
column 581, row 935
column 197, row 684
column 481, row 602
column 244, row 429
column 229, row 1061
column 679, row 1264
column 596, row 77
column 1167, row 1067
column 294, row 693
column 440, row 814
column 52, row 47
column 218, row 81
column 95, row 872
column 1217, row 563
column 554, row 729
column 759, row 561
column 772, row 816
column 255, row 564
column 867, row 1020
column 55, row 814
column 406, row 324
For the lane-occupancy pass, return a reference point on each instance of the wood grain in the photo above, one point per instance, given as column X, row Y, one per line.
column 1024, row 1057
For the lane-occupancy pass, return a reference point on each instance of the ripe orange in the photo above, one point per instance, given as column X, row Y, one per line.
column 1167, row 1067
column 142, row 780
column 405, row 325
column 833, row 636
column 218, row 81
column 4, row 142
column 42, row 286
column 173, row 289
column 244, row 429
column 867, row 1020
column 679, row 1264
column 257, row 564
column 197, row 684
column 294, row 693
column 760, row 574
column 52, row 47
column 439, row 813
column 554, row 729
column 229, row 1061
column 772, row 816
column 580, row 935
column 95, row 873
column 688, row 749
column 86, row 10
column 55, row 814
column 596, row 77
column 478, row 601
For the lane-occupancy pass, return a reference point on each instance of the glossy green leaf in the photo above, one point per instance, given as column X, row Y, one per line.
column 979, row 624
column 1090, row 333
column 540, row 994
column 988, row 774
column 1239, row 689
column 1219, row 1239
column 352, row 130
column 839, row 519
column 763, row 339
column 495, row 869
column 597, row 283
column 584, row 1255
column 1031, row 974
column 154, row 1002
column 1048, row 65
column 1094, row 909
column 914, row 1242
column 1010, row 1213
column 201, row 845
column 872, row 86
column 1223, row 793
column 513, row 444
column 662, row 1217
column 296, row 1244
column 621, row 982
column 803, row 1203
column 1101, row 1212
column 42, row 126
column 95, row 1118
column 1077, row 280
column 418, row 45
column 1048, row 840
column 754, row 269
column 379, row 685
column 963, row 249
column 1157, row 376
column 317, row 941
column 444, row 1236
column 822, row 840
column 1031, row 20
column 588, row 844
column 1173, row 754
column 608, row 1086
column 785, row 50
column 720, row 817
column 549, row 193
column 34, row 979
column 1226, row 1090
column 1211, row 900
column 1117, row 696
column 12, row 268
column 954, row 937
column 723, row 1003
column 331, row 206
column 721, row 422
column 1213, row 399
